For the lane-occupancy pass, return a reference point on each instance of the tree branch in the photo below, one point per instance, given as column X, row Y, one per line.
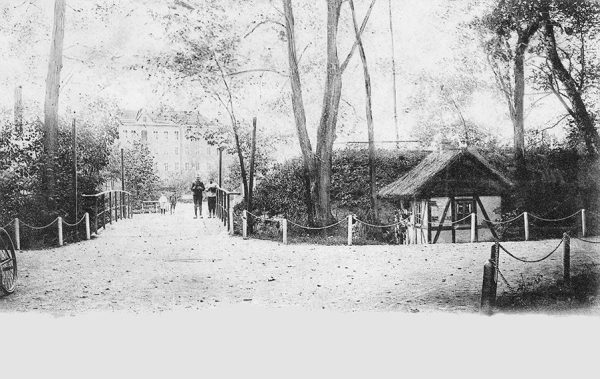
column 264, row 22
column 358, row 35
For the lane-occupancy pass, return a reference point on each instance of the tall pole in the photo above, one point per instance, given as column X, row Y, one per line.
column 394, row 75
column 122, row 172
column 220, row 166
column 75, row 172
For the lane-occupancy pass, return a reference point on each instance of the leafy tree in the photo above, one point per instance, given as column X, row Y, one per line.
column 140, row 170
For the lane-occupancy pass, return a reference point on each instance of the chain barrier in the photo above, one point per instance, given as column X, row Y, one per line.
column 316, row 228
column 38, row 227
column 502, row 276
column 531, row 261
column 584, row 240
column 505, row 221
column 263, row 218
column 380, row 226
column 75, row 224
column 554, row 219
column 461, row 220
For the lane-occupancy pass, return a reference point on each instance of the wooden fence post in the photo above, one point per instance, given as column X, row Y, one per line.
column 583, row 226
column 487, row 296
column 526, row 223
column 17, row 234
column 230, row 227
column 245, row 224
column 96, row 216
column 284, row 226
column 567, row 259
column 110, row 207
column 473, row 227
column 490, row 281
column 349, row 230
column 60, row 231
column 87, row 225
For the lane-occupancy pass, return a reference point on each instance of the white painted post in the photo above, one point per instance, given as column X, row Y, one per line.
column 17, row 234
column 526, row 222
column 583, row 226
column 284, row 227
column 349, row 230
column 60, row 231
column 87, row 226
column 231, row 228
column 245, row 224
column 473, row 226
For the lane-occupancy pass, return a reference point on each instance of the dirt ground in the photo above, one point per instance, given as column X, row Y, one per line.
column 156, row 263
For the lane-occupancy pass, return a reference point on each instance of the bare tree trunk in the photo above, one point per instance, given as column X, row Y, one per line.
column 300, row 114
column 519, row 98
column 369, row 116
column 578, row 110
column 51, row 105
column 329, row 114
column 252, row 162
column 394, row 75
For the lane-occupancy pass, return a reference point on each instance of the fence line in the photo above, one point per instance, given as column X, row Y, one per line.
column 352, row 220
column 555, row 219
column 535, row 260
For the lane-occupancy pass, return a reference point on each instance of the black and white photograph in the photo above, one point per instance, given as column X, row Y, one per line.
column 425, row 170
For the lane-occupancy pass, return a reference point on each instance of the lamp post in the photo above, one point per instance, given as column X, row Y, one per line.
column 221, row 148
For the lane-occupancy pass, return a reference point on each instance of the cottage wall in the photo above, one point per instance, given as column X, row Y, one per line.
column 491, row 205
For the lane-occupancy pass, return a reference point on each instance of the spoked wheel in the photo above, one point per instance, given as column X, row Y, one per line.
column 8, row 264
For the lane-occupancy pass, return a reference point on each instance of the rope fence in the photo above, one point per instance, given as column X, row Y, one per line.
column 405, row 231
column 491, row 270
column 40, row 234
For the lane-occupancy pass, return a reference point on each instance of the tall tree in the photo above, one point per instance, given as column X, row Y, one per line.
column 317, row 164
column 513, row 23
column 369, row 116
column 51, row 104
column 393, row 55
column 572, row 71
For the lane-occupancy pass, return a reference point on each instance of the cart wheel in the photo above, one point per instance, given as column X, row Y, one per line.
column 8, row 264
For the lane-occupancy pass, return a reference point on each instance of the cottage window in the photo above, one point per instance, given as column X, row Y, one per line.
column 464, row 207
column 156, row 134
column 177, row 135
column 418, row 211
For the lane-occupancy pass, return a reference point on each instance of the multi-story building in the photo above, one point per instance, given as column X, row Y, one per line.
column 175, row 155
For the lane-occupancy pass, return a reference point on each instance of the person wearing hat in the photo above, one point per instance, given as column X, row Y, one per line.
column 197, row 190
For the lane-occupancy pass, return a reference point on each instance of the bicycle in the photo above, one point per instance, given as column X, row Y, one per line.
column 8, row 264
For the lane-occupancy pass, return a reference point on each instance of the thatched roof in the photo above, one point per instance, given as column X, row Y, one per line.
column 440, row 169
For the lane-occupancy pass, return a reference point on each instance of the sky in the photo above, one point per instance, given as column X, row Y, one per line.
column 103, row 40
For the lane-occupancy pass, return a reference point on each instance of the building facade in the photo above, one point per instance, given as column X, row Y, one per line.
column 176, row 156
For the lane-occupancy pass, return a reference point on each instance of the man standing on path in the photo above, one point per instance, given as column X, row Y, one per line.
column 212, row 198
column 197, row 190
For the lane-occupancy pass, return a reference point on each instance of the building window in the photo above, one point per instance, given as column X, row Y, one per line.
column 418, row 211
column 166, row 167
column 144, row 136
column 464, row 207
column 177, row 135
column 156, row 134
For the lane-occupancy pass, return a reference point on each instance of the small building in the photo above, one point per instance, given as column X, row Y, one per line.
column 441, row 193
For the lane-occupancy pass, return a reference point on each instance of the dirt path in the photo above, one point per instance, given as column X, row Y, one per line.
column 158, row 263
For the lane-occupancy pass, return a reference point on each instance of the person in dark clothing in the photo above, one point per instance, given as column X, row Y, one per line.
column 197, row 190
column 211, row 198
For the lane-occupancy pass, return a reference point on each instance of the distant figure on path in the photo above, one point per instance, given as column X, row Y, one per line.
column 162, row 201
column 173, row 201
column 197, row 190
column 212, row 198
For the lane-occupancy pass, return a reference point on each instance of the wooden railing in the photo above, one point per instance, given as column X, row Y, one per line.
column 224, row 208
column 109, row 205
